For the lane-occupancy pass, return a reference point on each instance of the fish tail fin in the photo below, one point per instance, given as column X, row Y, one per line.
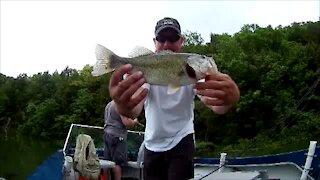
column 105, row 61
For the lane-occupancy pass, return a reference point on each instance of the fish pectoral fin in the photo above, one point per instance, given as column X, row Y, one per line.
column 139, row 51
column 172, row 88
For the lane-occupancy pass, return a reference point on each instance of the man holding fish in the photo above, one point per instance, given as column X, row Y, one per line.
column 165, row 83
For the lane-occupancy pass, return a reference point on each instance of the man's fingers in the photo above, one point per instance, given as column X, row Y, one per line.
column 218, row 85
column 212, row 93
column 132, row 102
column 139, row 97
column 128, row 91
column 212, row 101
column 117, row 75
column 217, row 76
column 128, row 83
column 138, row 91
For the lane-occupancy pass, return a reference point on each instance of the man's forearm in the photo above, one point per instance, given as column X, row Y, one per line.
column 136, row 111
column 133, row 113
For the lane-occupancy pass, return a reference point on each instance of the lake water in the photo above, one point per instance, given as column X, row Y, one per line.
column 20, row 156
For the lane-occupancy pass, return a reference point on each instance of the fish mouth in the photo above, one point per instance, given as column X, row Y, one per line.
column 191, row 72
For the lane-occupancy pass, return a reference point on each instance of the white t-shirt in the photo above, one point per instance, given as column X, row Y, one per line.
column 169, row 116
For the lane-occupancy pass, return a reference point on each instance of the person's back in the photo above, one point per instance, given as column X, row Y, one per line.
column 113, row 124
column 115, row 138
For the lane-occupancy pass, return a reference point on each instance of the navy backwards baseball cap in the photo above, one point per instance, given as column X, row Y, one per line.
column 166, row 23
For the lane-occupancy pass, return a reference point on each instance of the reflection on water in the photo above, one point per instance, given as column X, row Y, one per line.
column 20, row 156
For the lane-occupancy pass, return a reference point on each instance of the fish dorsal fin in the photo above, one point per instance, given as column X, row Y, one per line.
column 139, row 51
column 165, row 52
column 172, row 88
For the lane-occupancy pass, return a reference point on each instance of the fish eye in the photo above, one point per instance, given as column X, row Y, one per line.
column 203, row 56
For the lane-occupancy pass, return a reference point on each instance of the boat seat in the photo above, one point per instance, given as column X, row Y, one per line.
column 105, row 164
column 134, row 164
column 139, row 163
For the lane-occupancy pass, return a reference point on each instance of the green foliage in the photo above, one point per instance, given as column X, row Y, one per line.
column 204, row 148
column 45, row 105
column 192, row 38
column 276, row 69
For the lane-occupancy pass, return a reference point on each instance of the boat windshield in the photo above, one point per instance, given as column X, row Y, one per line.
column 135, row 138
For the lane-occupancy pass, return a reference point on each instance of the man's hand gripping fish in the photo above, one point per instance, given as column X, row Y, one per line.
column 164, row 68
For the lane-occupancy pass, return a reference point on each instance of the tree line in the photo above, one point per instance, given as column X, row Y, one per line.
column 276, row 69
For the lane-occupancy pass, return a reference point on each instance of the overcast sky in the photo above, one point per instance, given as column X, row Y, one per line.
column 38, row 36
